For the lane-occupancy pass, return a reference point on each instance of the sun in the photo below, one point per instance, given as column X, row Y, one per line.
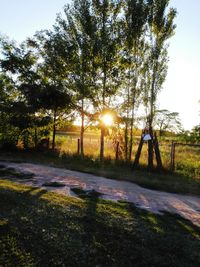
column 107, row 119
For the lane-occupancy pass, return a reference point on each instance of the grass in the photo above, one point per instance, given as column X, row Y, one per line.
column 187, row 159
column 164, row 181
column 40, row 228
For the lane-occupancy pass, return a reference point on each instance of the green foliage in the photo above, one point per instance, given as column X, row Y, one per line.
column 195, row 133
column 192, row 136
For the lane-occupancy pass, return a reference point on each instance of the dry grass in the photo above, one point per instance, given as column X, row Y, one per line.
column 187, row 159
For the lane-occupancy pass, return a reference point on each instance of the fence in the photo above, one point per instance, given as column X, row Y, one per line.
column 179, row 157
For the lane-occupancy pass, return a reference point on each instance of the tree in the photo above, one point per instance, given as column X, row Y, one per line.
column 17, row 65
column 166, row 120
column 37, row 80
column 105, row 74
column 53, row 95
column 160, row 28
column 195, row 134
column 77, row 31
column 133, row 28
column 9, row 134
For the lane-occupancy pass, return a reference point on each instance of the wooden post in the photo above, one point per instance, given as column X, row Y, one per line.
column 117, row 152
column 172, row 164
column 137, row 156
column 150, row 153
column 48, row 142
column 157, row 152
column 78, row 146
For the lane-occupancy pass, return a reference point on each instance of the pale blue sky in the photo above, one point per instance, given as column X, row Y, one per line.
column 181, row 90
column 22, row 18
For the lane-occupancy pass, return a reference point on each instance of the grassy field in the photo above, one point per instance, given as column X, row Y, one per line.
column 39, row 228
column 187, row 159
column 164, row 181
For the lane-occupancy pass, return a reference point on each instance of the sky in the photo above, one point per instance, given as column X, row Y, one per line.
column 181, row 91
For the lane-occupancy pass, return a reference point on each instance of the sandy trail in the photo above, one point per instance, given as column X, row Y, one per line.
column 154, row 201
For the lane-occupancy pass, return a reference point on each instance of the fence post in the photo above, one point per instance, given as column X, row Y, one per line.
column 117, row 152
column 78, row 146
column 172, row 163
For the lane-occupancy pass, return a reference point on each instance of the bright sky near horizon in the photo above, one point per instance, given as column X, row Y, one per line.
column 181, row 91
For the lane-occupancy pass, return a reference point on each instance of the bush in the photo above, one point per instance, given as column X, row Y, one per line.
column 8, row 144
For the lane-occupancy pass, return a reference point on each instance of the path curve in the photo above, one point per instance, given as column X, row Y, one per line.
column 154, row 201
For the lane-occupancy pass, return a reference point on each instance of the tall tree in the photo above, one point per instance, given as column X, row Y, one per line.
column 160, row 28
column 107, row 14
column 77, row 30
column 166, row 120
column 133, row 27
column 53, row 94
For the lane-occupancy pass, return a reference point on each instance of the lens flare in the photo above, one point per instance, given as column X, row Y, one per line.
column 107, row 119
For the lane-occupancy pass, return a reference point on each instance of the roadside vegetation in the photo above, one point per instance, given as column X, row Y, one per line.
column 163, row 180
column 187, row 159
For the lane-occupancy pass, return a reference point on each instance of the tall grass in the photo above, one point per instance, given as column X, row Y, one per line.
column 187, row 159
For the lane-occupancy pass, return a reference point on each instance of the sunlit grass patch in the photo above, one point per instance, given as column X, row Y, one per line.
column 187, row 159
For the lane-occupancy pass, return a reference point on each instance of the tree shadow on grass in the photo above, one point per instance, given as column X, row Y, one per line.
column 52, row 230
column 89, row 222
column 165, row 240
column 41, row 232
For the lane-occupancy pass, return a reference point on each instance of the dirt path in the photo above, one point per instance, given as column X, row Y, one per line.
column 155, row 201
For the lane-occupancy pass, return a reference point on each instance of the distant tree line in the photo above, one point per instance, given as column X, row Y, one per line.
column 101, row 56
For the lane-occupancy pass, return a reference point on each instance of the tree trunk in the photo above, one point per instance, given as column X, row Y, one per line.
column 36, row 138
column 150, row 151
column 127, row 121
column 117, row 152
column 131, row 130
column 102, row 143
column 104, row 83
column 137, row 156
column 157, row 152
column 151, row 115
column 126, row 140
column 130, row 143
column 54, row 131
column 82, row 129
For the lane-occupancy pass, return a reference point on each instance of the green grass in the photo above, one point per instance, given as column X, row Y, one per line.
column 164, row 181
column 40, row 228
